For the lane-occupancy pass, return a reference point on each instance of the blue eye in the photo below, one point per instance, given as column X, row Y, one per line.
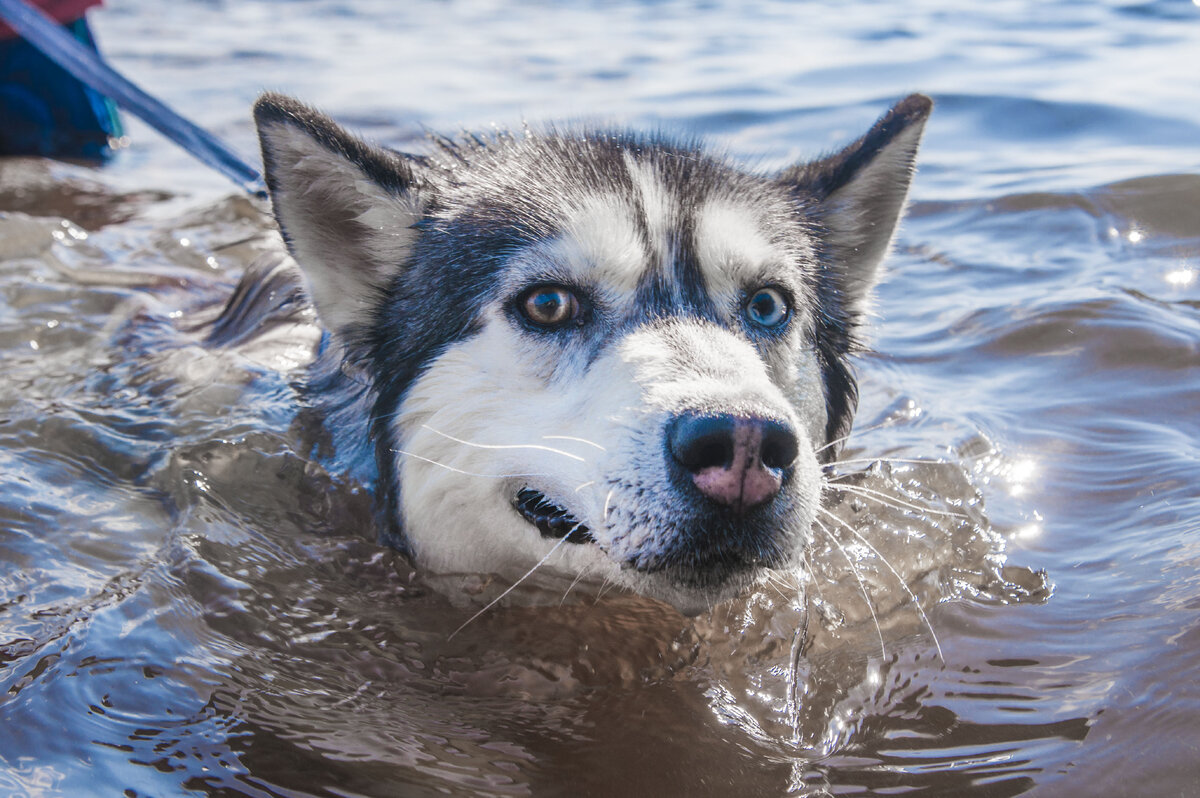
column 549, row 305
column 768, row 307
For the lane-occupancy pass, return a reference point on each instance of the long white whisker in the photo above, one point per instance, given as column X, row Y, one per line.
column 890, row 501
column 861, row 585
column 584, row 485
column 808, row 567
column 460, row 471
column 899, row 578
column 775, row 587
column 780, row 584
column 578, row 578
column 607, row 499
column 573, row 438
column 608, row 585
column 513, row 586
column 393, row 414
column 883, row 460
column 503, row 445
column 872, row 428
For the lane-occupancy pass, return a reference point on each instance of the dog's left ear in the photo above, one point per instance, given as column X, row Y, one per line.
column 856, row 197
column 346, row 208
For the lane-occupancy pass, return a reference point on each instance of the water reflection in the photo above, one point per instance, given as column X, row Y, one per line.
column 1181, row 277
column 187, row 603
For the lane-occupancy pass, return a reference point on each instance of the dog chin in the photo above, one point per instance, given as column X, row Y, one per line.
column 689, row 592
column 692, row 585
column 693, row 325
column 692, row 601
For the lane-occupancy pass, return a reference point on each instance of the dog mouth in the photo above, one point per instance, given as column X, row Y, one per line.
column 552, row 520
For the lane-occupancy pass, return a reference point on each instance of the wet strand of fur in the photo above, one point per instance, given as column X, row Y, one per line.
column 604, row 588
column 806, row 564
column 792, row 699
column 771, row 583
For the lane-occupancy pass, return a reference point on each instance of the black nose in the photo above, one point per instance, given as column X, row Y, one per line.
column 736, row 461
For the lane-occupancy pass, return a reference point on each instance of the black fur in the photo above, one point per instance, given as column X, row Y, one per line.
column 479, row 209
column 813, row 185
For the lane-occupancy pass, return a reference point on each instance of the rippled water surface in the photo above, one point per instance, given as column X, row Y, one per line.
column 1004, row 597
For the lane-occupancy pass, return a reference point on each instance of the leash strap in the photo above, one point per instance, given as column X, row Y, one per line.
column 88, row 67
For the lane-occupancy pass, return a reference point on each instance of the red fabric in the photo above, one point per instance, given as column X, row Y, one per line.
column 63, row 11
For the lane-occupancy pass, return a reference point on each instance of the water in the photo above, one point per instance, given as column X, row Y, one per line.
column 189, row 607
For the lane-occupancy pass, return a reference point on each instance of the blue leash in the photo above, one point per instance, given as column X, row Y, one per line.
column 88, row 67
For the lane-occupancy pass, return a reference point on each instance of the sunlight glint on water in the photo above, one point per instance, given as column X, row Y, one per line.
column 188, row 605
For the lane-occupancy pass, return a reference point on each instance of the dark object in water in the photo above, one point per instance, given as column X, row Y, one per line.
column 84, row 64
column 47, row 111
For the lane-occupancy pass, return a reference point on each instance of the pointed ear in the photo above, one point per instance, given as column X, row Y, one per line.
column 346, row 208
column 859, row 195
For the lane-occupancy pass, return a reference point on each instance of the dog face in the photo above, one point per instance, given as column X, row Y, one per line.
column 604, row 357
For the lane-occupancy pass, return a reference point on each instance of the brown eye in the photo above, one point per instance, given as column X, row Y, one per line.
column 549, row 306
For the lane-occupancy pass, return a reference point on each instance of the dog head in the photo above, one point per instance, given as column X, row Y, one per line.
column 605, row 357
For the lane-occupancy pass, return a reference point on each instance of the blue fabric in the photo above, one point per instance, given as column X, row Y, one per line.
column 45, row 111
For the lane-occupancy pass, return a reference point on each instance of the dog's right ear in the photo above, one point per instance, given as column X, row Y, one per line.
column 346, row 209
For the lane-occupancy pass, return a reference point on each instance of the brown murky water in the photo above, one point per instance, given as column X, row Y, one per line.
column 1004, row 600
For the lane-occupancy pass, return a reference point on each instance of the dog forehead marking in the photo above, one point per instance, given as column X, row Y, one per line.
column 416, row 264
column 599, row 242
column 731, row 248
column 658, row 210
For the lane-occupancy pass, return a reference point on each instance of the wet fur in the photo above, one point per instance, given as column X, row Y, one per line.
column 439, row 395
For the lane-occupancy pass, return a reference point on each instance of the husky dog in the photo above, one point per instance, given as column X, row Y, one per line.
column 606, row 357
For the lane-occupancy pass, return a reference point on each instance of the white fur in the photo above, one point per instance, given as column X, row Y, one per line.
column 476, row 428
column 736, row 256
column 491, row 390
column 598, row 246
column 581, row 415
column 732, row 250
column 659, row 210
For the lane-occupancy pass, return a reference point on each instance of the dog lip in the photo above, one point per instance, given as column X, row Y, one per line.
column 714, row 562
column 552, row 520
column 707, row 571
